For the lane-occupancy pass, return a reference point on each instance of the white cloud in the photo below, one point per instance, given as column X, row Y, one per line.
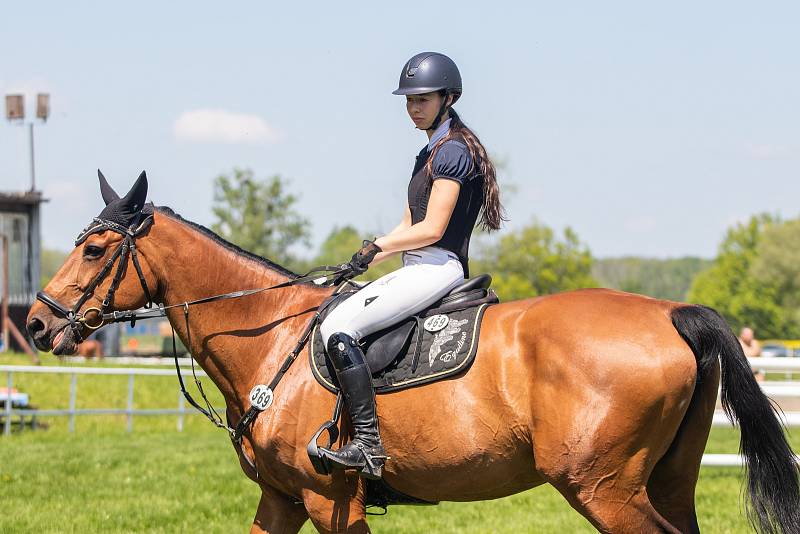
column 770, row 151
column 220, row 126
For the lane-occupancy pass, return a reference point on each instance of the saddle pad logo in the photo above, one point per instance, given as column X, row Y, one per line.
column 446, row 334
column 435, row 323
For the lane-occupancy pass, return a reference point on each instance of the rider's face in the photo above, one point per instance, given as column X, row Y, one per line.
column 423, row 108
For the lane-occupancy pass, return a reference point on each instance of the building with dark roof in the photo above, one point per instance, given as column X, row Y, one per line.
column 21, row 228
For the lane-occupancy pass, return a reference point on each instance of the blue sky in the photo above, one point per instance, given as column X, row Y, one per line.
column 649, row 128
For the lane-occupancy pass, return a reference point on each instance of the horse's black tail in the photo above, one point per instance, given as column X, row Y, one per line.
column 771, row 468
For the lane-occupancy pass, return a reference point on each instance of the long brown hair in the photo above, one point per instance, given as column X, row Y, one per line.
column 492, row 211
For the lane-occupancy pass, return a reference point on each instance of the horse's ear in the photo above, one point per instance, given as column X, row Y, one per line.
column 109, row 195
column 138, row 194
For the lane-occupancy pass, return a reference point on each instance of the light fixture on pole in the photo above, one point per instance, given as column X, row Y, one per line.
column 43, row 106
column 15, row 107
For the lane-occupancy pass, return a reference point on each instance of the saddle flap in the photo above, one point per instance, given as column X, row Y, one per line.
column 384, row 346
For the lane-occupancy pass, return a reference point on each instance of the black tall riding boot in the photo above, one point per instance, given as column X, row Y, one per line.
column 365, row 451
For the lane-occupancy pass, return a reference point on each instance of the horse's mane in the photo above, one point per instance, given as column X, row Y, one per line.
column 166, row 210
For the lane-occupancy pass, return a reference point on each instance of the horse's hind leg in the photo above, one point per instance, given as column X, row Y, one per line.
column 278, row 514
column 672, row 484
column 614, row 505
column 603, row 475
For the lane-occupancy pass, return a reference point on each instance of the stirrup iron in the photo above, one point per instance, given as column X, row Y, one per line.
column 318, row 459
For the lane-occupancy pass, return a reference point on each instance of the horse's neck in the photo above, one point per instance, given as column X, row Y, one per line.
column 238, row 342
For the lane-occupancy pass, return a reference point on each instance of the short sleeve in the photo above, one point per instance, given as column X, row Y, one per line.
column 452, row 161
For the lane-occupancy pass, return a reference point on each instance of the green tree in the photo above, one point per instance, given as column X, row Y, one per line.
column 777, row 267
column 534, row 261
column 339, row 246
column 258, row 215
column 342, row 243
column 51, row 262
column 663, row 279
column 739, row 284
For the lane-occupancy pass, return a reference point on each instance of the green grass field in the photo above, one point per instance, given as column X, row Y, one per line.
column 103, row 479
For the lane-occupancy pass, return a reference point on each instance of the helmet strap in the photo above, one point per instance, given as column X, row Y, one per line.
column 439, row 116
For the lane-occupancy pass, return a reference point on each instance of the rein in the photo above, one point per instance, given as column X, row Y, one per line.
column 261, row 396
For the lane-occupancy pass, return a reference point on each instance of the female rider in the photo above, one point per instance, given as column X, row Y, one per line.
column 452, row 184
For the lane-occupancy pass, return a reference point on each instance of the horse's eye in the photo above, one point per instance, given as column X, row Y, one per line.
column 93, row 251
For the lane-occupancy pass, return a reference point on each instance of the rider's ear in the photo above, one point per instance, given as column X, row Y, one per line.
column 109, row 195
column 138, row 193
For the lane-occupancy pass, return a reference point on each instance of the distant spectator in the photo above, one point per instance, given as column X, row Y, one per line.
column 109, row 337
column 751, row 348
column 750, row 345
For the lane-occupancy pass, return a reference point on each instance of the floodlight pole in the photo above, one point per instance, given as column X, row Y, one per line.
column 33, row 165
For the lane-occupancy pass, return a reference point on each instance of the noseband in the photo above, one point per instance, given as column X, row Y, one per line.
column 78, row 319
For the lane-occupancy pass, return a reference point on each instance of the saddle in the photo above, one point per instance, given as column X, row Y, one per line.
column 435, row 343
column 438, row 342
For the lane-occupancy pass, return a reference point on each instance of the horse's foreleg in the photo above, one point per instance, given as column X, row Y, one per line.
column 339, row 508
column 278, row 514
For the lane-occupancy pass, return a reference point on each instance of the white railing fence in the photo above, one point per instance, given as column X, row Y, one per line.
column 786, row 391
column 9, row 411
column 774, row 389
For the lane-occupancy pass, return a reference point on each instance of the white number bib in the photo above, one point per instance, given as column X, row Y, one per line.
column 261, row 397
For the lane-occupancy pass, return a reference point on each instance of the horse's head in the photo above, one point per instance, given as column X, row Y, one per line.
column 93, row 280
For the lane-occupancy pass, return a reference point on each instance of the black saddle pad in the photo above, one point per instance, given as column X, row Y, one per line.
column 434, row 347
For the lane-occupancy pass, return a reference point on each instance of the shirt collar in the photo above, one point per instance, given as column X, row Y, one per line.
column 440, row 132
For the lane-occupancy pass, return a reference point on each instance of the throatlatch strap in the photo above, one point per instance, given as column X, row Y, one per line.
column 140, row 274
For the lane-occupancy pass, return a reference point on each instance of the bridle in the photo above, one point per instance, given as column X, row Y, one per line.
column 78, row 319
column 260, row 399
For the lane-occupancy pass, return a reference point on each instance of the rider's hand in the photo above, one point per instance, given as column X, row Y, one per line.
column 361, row 259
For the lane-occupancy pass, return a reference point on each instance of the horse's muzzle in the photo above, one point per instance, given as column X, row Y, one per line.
column 55, row 336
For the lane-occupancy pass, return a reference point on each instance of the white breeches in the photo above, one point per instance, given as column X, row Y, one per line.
column 427, row 275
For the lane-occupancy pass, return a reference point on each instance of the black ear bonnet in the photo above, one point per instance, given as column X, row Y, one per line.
column 124, row 215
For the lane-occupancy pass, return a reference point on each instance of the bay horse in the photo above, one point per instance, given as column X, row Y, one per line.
column 607, row 396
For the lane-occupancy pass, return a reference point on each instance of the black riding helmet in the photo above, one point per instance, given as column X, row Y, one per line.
column 429, row 72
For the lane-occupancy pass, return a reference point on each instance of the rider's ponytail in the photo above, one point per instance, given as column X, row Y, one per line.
column 492, row 211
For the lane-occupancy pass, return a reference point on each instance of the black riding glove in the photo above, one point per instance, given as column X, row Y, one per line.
column 361, row 259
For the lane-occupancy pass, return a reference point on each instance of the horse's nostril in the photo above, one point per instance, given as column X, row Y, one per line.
column 35, row 326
